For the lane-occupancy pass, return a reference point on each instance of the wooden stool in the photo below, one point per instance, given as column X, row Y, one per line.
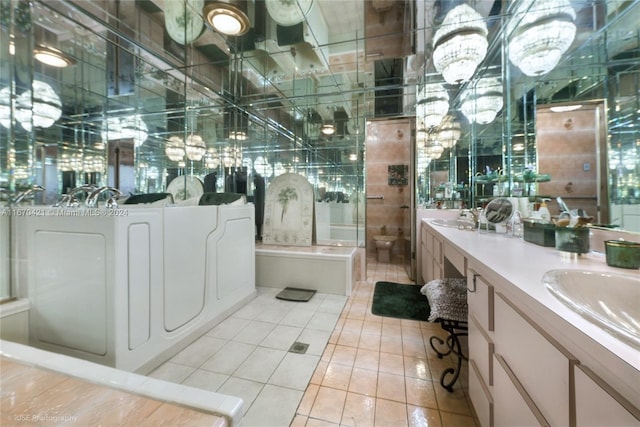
column 448, row 304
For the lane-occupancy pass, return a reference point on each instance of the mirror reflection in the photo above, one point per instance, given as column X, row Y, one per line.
column 124, row 95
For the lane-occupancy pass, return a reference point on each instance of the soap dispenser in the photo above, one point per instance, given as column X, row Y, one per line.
column 544, row 211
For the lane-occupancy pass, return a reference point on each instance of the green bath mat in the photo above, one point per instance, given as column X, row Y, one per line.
column 296, row 294
column 401, row 301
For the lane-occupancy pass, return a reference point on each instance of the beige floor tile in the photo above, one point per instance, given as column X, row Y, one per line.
column 391, row 387
column 364, row 381
column 423, row 417
column 328, row 405
column 415, row 367
column 391, row 363
column 421, row 393
column 344, row 355
column 391, row 344
column 308, row 399
column 456, row 420
column 370, row 342
column 318, row 374
column 337, row 376
column 390, row 414
column 367, row 359
column 350, row 339
column 358, row 411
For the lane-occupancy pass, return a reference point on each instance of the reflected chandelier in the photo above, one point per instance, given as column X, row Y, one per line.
column 174, row 149
column 460, row 44
column 432, row 104
column 482, row 102
column 195, row 147
column 129, row 127
column 540, row 31
column 449, row 133
column 39, row 106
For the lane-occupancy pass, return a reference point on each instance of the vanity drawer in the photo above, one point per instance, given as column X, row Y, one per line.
column 436, row 248
column 480, row 396
column 456, row 258
column 598, row 404
column 513, row 406
column 481, row 350
column 540, row 363
column 480, row 300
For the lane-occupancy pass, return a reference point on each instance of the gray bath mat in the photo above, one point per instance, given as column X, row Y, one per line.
column 296, row 294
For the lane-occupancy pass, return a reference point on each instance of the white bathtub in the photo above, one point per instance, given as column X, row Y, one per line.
column 131, row 290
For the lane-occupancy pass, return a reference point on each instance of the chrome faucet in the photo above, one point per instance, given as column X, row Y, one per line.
column 92, row 200
column 70, row 200
column 26, row 193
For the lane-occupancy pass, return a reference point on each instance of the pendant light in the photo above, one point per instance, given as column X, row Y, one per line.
column 540, row 31
column 482, row 102
column 460, row 44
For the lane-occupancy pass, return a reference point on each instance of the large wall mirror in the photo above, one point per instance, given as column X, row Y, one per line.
column 138, row 100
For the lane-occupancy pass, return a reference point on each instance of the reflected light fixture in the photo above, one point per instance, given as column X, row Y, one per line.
column 129, row 127
column 449, row 133
column 212, row 158
column 6, row 104
column 237, row 135
column 40, row 108
column 53, row 57
column 565, row 108
column 226, row 18
column 262, row 166
column 540, row 31
column 432, row 105
column 482, row 102
column 182, row 19
column 174, row 149
column 328, row 129
column 460, row 44
column 195, row 147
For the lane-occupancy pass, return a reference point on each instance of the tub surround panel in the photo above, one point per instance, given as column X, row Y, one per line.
column 139, row 286
column 129, row 291
column 70, row 295
column 186, row 230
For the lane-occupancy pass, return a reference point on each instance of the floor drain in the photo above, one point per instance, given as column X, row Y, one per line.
column 299, row 347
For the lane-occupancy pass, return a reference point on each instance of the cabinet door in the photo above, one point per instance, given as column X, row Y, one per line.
column 480, row 396
column 512, row 405
column 597, row 404
column 541, row 364
column 480, row 299
column 481, row 350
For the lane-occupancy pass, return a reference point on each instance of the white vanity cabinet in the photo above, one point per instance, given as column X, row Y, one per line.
column 432, row 259
column 532, row 362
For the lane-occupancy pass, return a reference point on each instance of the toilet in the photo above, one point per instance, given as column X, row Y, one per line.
column 383, row 247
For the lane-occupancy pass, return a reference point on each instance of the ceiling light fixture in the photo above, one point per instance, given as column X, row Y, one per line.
column 226, row 18
column 53, row 57
column 449, row 133
column 195, row 147
column 482, row 102
column 40, row 108
column 182, row 20
column 175, row 149
column 540, row 31
column 460, row 44
column 432, row 105
column 565, row 108
column 328, row 129
column 129, row 127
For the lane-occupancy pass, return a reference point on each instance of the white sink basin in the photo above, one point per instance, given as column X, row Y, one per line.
column 455, row 223
column 609, row 300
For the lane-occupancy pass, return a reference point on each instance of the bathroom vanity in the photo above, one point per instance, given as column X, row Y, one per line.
column 129, row 287
column 533, row 360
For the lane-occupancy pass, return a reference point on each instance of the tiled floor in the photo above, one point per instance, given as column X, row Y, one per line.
column 359, row 370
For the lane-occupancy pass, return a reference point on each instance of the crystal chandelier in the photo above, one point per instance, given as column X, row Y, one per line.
column 212, row 158
column 39, row 106
column 262, row 166
column 434, row 150
column 432, row 104
column 540, row 31
column 460, row 44
column 195, row 147
column 129, row 127
column 449, row 133
column 174, row 149
column 482, row 103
